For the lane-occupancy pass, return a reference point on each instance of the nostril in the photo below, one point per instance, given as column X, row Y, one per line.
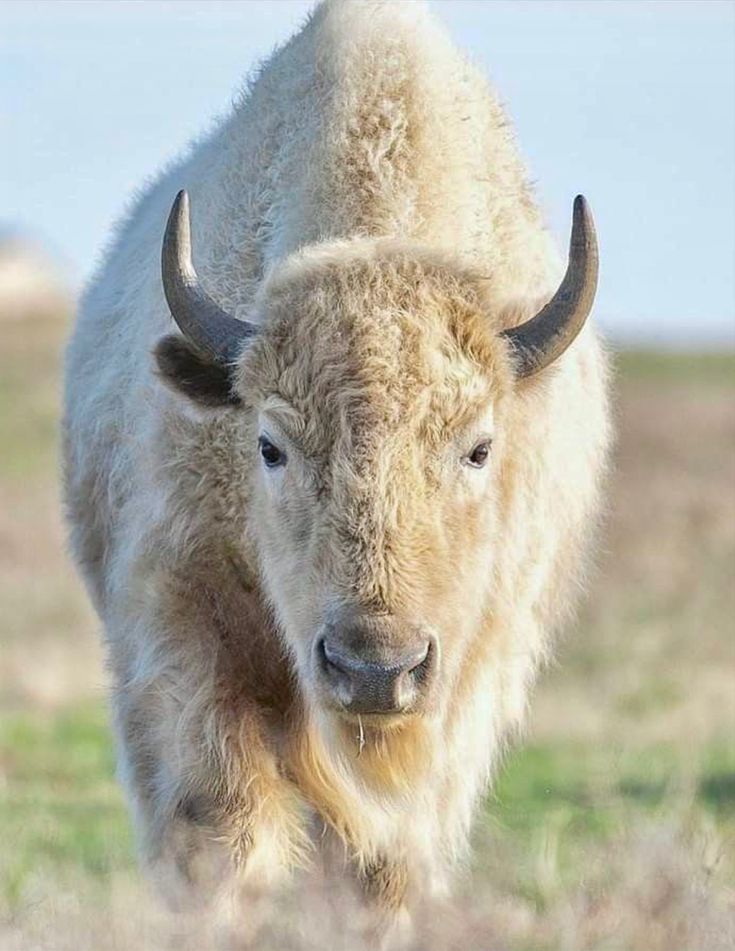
column 421, row 660
column 413, row 677
column 421, row 671
column 329, row 661
column 335, row 672
column 333, row 660
column 321, row 653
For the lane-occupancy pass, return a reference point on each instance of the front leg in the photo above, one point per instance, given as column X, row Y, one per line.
column 191, row 841
column 200, row 691
column 211, row 809
column 384, row 883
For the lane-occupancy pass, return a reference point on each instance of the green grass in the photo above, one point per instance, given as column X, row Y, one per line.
column 61, row 811
column 563, row 815
column 600, row 787
column 661, row 366
column 62, row 814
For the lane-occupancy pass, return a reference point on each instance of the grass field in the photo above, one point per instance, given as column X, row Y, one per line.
column 612, row 828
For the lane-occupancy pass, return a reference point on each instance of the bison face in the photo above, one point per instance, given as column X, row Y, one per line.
column 375, row 396
column 373, row 387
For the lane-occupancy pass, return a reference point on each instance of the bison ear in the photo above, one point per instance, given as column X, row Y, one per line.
column 187, row 370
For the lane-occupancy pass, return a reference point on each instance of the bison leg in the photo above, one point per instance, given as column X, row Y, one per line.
column 178, row 831
column 384, row 883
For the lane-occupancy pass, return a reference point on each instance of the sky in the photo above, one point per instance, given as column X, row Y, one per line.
column 631, row 102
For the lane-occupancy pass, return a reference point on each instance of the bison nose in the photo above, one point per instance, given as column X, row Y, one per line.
column 392, row 684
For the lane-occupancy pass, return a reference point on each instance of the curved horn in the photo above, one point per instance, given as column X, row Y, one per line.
column 202, row 321
column 543, row 338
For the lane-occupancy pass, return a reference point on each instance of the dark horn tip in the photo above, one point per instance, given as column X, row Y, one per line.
column 581, row 209
column 177, row 217
column 181, row 203
column 583, row 224
column 179, row 206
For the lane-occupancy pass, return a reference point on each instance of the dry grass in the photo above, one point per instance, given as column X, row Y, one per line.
column 653, row 889
column 612, row 829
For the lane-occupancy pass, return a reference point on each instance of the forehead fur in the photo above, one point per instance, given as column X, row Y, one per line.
column 378, row 336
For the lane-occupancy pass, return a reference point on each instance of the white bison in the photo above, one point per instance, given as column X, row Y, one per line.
column 330, row 490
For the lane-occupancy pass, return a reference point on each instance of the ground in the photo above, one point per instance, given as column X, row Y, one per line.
column 612, row 826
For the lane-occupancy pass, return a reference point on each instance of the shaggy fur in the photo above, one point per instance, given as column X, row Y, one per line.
column 364, row 203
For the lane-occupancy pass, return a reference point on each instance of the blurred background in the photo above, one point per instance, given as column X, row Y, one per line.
column 613, row 826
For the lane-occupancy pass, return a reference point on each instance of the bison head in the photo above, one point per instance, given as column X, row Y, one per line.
column 373, row 389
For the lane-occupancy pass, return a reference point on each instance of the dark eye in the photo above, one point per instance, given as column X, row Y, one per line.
column 272, row 455
column 479, row 455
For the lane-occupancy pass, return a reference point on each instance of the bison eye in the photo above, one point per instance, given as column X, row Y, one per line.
column 272, row 455
column 479, row 455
